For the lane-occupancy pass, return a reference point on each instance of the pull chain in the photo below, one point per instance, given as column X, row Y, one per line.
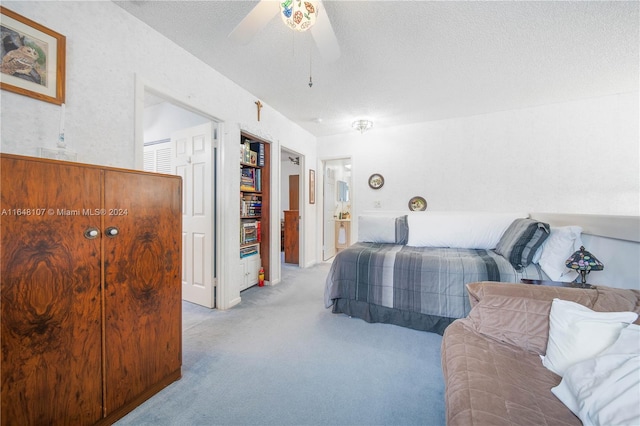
column 310, row 78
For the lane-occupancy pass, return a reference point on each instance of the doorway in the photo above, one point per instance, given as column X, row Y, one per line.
column 183, row 142
column 337, row 211
column 291, row 196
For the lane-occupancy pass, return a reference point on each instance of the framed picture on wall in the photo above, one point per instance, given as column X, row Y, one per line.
column 312, row 186
column 33, row 58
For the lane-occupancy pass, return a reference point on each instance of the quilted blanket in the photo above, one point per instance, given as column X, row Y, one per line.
column 409, row 282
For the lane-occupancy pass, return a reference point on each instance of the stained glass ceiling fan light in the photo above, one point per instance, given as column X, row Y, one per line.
column 299, row 15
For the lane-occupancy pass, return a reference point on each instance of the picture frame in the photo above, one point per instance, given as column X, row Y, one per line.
column 33, row 58
column 312, row 186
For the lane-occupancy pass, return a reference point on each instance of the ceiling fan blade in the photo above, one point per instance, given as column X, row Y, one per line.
column 325, row 38
column 254, row 22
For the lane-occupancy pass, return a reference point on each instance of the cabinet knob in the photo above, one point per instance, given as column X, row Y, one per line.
column 112, row 231
column 91, row 233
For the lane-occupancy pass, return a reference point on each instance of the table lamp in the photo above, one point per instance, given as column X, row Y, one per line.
column 584, row 262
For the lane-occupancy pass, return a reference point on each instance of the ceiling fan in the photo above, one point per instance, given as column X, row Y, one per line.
column 297, row 14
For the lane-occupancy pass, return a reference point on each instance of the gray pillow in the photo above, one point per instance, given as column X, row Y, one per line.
column 520, row 241
column 402, row 230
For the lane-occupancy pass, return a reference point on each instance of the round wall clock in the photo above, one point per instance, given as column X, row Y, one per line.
column 417, row 204
column 376, row 181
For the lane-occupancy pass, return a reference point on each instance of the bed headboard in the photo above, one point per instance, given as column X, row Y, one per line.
column 614, row 240
column 625, row 228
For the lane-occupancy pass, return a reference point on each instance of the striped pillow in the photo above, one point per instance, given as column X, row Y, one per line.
column 402, row 230
column 520, row 241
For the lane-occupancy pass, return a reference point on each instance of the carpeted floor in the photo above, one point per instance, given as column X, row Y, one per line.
column 281, row 358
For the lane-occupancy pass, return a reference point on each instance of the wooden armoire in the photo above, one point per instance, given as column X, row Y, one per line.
column 90, row 290
column 291, row 236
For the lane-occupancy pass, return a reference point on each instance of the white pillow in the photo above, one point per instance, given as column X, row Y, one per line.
column 577, row 333
column 562, row 242
column 600, row 390
column 473, row 230
column 376, row 229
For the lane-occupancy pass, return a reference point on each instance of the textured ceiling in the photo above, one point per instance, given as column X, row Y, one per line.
column 412, row 61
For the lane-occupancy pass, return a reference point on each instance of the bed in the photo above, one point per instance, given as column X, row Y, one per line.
column 412, row 270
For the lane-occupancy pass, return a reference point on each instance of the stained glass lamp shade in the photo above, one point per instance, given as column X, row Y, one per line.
column 584, row 262
column 299, row 15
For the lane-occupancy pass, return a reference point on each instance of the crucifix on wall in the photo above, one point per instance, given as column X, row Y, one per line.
column 259, row 105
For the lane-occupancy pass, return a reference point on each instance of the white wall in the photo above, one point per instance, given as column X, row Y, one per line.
column 620, row 260
column 107, row 50
column 574, row 157
column 163, row 119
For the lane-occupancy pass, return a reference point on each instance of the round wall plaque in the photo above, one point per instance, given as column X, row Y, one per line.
column 417, row 204
column 376, row 181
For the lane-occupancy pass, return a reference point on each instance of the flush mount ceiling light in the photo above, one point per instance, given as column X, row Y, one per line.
column 362, row 125
column 299, row 15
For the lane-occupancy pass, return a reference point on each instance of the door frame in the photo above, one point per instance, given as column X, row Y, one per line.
column 143, row 86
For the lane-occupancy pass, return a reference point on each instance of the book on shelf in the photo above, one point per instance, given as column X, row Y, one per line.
column 253, row 153
column 250, row 232
column 248, row 251
column 248, row 179
column 246, row 155
column 258, row 147
column 248, row 211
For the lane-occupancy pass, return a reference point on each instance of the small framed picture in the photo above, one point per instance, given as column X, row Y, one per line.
column 33, row 58
column 312, row 186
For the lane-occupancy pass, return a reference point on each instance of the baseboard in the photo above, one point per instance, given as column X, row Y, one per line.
column 234, row 302
column 124, row 410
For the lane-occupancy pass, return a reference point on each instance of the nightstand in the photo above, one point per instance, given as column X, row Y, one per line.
column 556, row 283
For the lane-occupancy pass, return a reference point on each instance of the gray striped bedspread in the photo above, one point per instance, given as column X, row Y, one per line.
column 423, row 280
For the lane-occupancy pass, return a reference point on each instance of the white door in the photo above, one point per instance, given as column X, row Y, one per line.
column 329, row 241
column 193, row 153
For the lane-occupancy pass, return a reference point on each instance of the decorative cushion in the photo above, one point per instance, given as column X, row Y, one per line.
column 471, row 230
column 518, row 321
column 555, row 251
column 520, row 241
column 598, row 390
column 577, row 333
column 377, row 229
column 402, row 230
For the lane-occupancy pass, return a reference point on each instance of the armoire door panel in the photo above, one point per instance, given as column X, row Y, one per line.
column 142, row 267
column 50, row 293
column 294, row 192
column 291, row 236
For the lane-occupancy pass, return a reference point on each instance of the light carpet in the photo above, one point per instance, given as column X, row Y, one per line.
column 281, row 358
